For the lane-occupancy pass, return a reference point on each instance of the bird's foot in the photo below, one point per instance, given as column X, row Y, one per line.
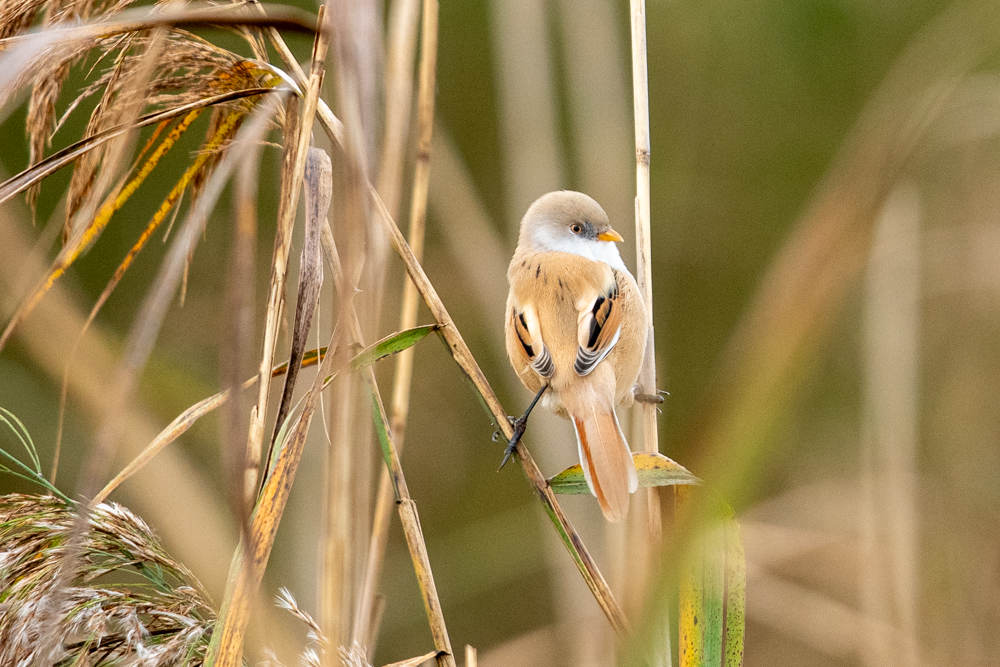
column 519, row 425
column 650, row 399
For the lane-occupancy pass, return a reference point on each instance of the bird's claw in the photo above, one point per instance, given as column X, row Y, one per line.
column 519, row 425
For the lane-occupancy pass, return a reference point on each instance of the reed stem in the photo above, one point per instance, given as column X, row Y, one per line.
column 644, row 276
column 408, row 314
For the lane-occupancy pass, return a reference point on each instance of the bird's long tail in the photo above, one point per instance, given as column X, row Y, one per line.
column 606, row 460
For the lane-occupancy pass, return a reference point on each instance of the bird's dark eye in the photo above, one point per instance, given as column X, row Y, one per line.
column 576, row 229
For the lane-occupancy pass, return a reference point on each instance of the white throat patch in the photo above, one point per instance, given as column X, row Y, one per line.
column 599, row 251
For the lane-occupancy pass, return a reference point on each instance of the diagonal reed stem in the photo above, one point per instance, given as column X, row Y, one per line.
column 411, row 528
column 365, row 630
column 463, row 357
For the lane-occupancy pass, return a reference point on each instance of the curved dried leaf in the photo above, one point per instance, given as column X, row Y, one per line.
column 318, row 179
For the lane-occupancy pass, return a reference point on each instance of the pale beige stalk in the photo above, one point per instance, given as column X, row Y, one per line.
column 408, row 317
column 406, row 507
column 644, row 254
column 644, row 276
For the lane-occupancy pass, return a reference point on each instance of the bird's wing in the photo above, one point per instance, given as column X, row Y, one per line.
column 529, row 335
column 600, row 323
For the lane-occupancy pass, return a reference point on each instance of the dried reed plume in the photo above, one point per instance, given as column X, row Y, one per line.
column 101, row 593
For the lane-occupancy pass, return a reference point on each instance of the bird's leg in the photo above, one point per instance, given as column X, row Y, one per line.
column 519, row 425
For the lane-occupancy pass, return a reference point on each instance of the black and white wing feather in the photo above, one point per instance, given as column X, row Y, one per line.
column 599, row 328
column 529, row 336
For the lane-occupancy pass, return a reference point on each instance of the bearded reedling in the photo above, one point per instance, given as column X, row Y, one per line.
column 576, row 334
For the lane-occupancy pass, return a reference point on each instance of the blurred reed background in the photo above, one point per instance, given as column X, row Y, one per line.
column 826, row 263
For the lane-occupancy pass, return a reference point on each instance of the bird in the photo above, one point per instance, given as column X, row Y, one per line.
column 575, row 334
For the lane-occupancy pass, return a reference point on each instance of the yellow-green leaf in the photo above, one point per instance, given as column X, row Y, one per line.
column 653, row 470
column 713, row 596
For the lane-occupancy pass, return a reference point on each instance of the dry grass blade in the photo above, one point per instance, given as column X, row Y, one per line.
column 249, row 563
column 297, row 136
column 36, row 173
column 237, row 354
column 186, row 420
column 279, row 264
column 407, row 318
column 177, row 428
column 318, row 188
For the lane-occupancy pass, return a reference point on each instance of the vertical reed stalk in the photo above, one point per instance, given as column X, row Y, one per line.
column 398, row 489
column 408, row 314
column 644, row 255
column 403, row 27
column 350, row 463
column 295, row 165
column 644, row 276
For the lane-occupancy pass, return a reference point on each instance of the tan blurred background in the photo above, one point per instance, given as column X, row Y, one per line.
column 826, row 166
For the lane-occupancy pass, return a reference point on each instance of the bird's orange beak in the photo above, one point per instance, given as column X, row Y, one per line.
column 610, row 235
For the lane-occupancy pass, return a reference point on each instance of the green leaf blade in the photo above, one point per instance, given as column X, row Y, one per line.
column 390, row 345
column 653, row 470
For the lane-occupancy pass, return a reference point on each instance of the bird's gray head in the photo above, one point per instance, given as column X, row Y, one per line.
column 567, row 221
